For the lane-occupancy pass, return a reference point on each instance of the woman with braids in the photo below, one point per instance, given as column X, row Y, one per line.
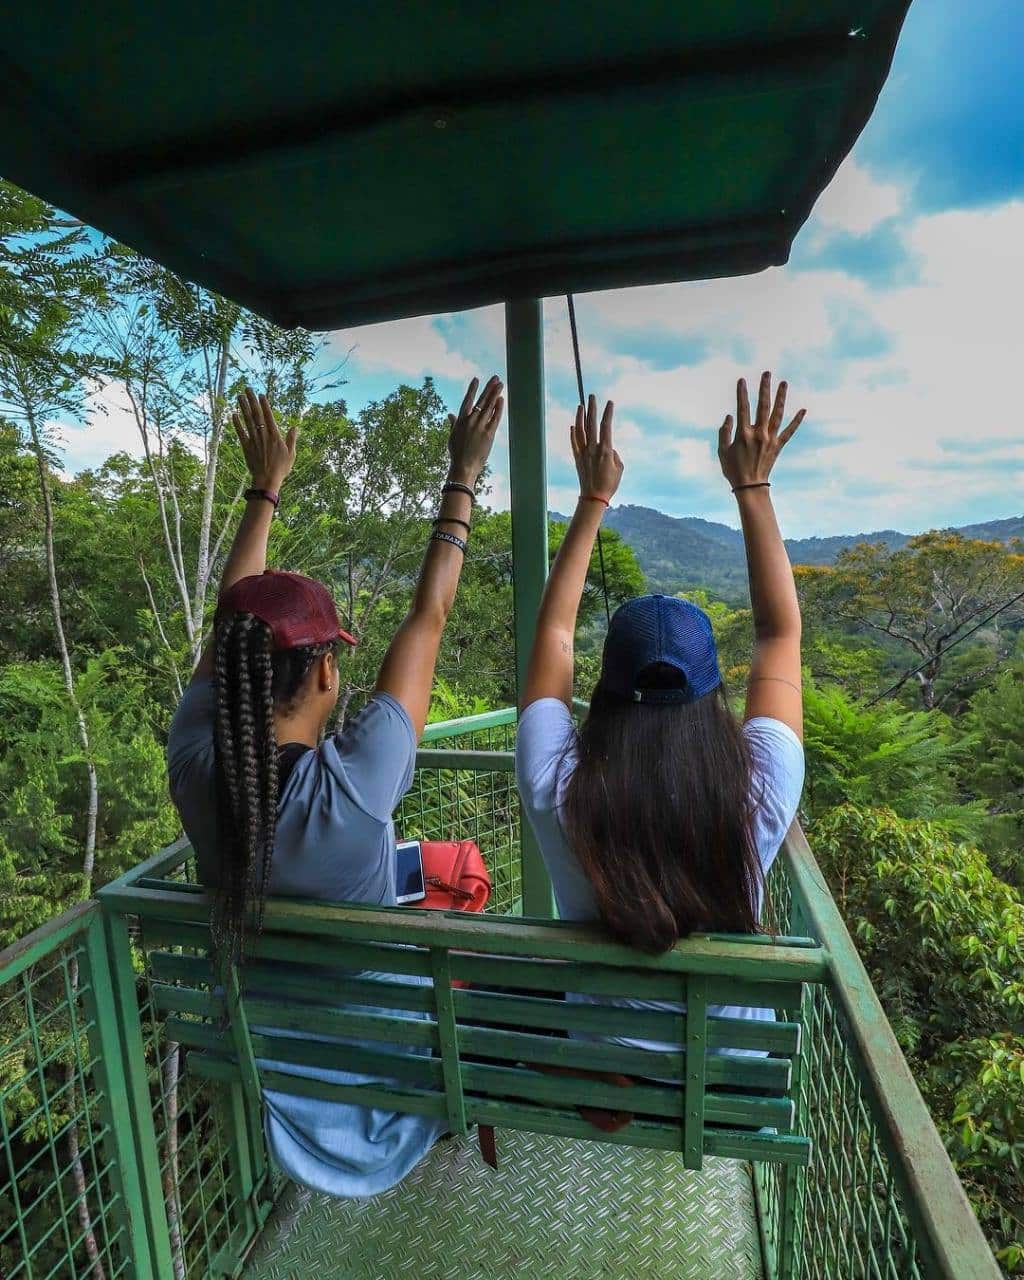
column 273, row 803
column 662, row 814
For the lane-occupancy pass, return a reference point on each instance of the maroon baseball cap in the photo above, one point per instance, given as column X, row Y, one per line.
column 299, row 611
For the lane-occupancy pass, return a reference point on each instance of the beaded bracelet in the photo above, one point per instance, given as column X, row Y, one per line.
column 451, row 520
column 439, row 535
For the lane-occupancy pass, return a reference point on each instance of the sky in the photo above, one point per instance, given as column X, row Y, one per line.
column 897, row 323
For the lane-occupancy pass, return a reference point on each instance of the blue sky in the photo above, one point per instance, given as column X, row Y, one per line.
column 897, row 322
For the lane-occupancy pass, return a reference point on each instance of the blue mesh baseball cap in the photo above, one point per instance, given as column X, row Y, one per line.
column 660, row 628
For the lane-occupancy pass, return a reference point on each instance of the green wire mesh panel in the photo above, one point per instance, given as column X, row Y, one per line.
column 199, row 1127
column 194, row 1144
column 62, row 1207
column 555, row 1207
column 464, row 804
column 843, row 1215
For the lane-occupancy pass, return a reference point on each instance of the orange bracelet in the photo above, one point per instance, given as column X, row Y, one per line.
column 593, row 497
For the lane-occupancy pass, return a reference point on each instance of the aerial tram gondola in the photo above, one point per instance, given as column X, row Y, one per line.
column 330, row 168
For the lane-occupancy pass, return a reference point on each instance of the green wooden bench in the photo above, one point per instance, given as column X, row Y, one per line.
column 483, row 1045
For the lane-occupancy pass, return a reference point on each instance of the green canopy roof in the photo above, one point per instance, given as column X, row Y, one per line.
column 329, row 165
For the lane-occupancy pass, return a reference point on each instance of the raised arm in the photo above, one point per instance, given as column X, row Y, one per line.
column 407, row 672
column 747, row 459
column 550, row 669
column 269, row 457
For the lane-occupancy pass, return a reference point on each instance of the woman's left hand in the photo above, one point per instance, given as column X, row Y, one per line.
column 598, row 466
column 269, row 455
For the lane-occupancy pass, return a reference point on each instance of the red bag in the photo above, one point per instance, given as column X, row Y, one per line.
column 455, row 875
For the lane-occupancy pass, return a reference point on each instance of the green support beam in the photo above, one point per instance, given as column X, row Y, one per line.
column 524, row 339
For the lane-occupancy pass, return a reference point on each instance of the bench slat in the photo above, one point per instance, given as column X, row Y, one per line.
column 775, row 1112
column 526, row 1011
column 735, row 1144
column 612, row 1020
column 389, row 1099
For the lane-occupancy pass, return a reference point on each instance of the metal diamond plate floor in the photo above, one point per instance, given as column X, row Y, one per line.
column 556, row 1207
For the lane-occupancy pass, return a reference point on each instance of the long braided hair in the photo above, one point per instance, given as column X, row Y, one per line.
column 251, row 680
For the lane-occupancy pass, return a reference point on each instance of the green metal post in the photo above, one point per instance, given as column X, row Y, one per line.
column 108, row 1066
column 524, row 340
column 792, row 1180
column 147, row 1156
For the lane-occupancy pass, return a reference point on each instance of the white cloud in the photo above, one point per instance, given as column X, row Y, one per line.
column 890, row 435
column 107, row 427
column 856, row 201
column 908, row 388
column 408, row 348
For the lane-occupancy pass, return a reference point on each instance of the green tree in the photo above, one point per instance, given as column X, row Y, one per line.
column 179, row 353
column 993, row 766
column 883, row 756
column 45, row 790
column 919, row 601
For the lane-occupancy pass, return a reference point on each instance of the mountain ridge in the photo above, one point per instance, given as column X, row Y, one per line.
column 679, row 553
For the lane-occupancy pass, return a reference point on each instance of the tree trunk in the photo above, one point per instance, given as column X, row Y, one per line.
column 203, row 565
column 176, row 561
column 78, row 1171
column 926, row 682
column 169, row 1085
column 89, row 854
column 92, row 807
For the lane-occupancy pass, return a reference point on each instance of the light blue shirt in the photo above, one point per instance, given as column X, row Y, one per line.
column 546, row 756
column 335, row 842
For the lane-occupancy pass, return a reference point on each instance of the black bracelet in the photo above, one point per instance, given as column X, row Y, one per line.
column 454, row 486
column 451, row 520
column 439, row 535
column 757, row 484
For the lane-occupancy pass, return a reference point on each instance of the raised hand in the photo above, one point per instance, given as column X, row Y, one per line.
column 748, row 457
column 598, row 466
column 268, row 454
column 472, row 432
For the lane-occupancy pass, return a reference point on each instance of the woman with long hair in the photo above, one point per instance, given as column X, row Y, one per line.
column 662, row 814
column 275, row 804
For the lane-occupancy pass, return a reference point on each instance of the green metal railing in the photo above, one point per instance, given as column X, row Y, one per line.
column 70, row 1202
column 117, row 1162
column 880, row 1198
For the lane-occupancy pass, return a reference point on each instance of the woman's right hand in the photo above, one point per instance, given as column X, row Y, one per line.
column 269, row 455
column 748, row 457
column 472, row 432
column 598, row 466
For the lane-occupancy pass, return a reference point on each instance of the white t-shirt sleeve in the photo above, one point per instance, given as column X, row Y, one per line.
column 545, row 759
column 545, row 738
column 777, row 780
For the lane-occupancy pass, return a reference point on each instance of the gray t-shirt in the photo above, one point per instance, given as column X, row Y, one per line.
column 545, row 759
column 335, row 838
column 335, row 842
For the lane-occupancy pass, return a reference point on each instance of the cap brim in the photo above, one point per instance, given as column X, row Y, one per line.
column 344, row 635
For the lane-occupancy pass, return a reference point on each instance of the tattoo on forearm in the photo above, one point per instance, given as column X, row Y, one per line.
column 566, row 646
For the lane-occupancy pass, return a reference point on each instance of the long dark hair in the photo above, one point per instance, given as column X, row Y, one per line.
column 251, row 680
column 658, row 812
